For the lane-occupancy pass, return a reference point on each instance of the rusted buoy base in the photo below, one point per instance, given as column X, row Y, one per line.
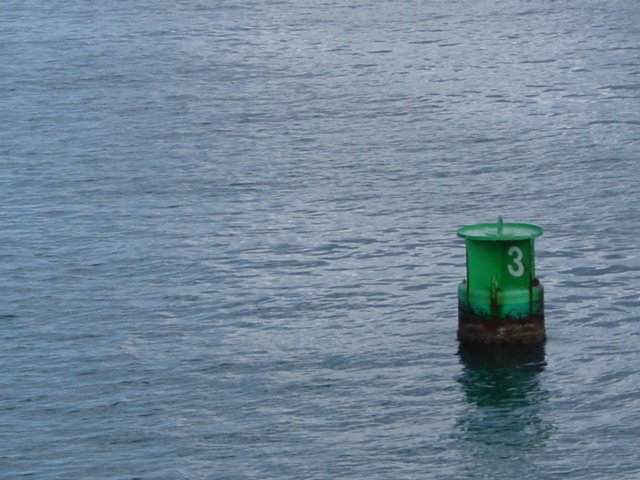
column 505, row 331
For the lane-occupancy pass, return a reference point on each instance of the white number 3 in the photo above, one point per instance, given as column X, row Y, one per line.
column 517, row 268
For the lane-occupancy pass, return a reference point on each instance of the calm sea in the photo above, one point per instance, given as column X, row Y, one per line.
column 228, row 237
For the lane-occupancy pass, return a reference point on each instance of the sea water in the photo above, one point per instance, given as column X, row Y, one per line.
column 228, row 242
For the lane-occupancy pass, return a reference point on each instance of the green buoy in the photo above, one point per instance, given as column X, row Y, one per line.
column 501, row 300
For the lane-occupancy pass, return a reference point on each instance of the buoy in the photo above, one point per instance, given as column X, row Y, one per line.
column 501, row 301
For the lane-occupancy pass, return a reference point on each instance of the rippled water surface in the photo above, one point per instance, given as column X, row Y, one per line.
column 228, row 237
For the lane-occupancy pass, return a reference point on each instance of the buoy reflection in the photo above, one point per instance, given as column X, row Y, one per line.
column 504, row 420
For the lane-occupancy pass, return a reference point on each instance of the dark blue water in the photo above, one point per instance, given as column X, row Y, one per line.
column 228, row 241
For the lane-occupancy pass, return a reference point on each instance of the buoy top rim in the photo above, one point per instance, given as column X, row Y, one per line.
column 500, row 231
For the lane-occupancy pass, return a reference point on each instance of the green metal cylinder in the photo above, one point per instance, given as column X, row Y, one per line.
column 501, row 300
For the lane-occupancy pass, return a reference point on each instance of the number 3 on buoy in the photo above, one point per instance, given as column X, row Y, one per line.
column 516, row 268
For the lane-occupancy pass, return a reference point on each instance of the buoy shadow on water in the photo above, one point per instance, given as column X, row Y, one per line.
column 505, row 394
column 500, row 375
column 491, row 356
